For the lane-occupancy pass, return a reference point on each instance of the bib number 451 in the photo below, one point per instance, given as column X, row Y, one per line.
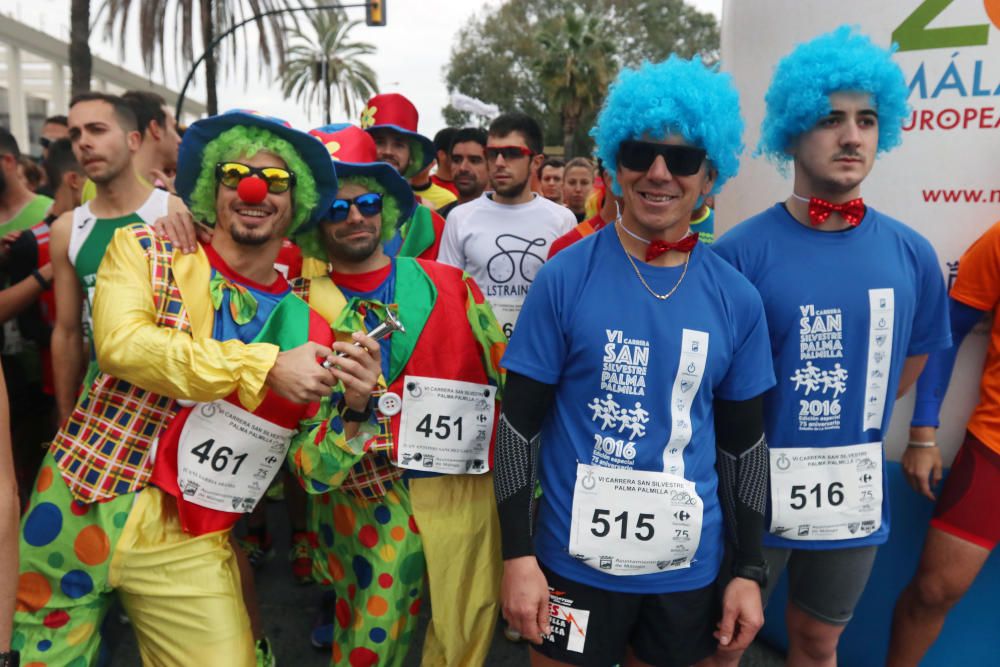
column 801, row 495
column 601, row 527
column 218, row 459
column 441, row 429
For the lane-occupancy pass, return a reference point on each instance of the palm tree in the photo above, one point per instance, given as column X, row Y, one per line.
column 214, row 17
column 575, row 68
column 324, row 60
column 80, row 61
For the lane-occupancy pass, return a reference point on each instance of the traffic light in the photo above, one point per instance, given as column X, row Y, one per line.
column 375, row 12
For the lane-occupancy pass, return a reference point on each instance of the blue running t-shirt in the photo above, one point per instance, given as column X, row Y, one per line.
column 844, row 310
column 635, row 379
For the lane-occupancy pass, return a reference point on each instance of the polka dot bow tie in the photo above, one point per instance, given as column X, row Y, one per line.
column 820, row 209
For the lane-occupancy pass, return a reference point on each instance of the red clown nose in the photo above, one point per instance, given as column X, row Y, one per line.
column 252, row 189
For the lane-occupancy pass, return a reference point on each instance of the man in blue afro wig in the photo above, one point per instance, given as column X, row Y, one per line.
column 640, row 360
column 855, row 302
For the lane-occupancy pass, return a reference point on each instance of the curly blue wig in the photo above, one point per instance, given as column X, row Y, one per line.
column 676, row 96
column 842, row 60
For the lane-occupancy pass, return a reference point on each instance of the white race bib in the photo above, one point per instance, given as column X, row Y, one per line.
column 227, row 457
column 826, row 493
column 446, row 426
column 628, row 522
column 506, row 314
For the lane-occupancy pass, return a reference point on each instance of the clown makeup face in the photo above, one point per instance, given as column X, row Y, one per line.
column 254, row 223
column 358, row 237
column 835, row 156
column 393, row 147
column 658, row 204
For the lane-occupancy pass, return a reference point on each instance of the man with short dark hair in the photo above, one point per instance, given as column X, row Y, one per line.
column 53, row 128
column 444, row 177
column 391, row 120
column 105, row 137
column 502, row 239
column 155, row 162
column 550, row 176
column 468, row 165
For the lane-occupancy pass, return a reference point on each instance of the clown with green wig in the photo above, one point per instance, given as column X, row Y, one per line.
column 421, row 502
column 211, row 373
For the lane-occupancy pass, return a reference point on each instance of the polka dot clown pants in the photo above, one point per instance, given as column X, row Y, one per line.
column 370, row 555
column 182, row 593
column 374, row 554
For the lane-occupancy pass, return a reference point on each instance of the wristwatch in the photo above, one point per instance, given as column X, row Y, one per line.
column 10, row 659
column 350, row 415
column 756, row 572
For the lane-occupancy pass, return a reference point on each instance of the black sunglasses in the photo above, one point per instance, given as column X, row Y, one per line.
column 681, row 160
column 368, row 204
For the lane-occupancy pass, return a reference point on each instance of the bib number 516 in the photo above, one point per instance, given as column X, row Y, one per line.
column 601, row 526
column 801, row 495
column 218, row 459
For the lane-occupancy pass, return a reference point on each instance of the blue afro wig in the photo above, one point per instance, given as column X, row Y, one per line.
column 842, row 60
column 676, row 96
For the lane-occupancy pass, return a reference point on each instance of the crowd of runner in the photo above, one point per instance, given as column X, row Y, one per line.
column 507, row 384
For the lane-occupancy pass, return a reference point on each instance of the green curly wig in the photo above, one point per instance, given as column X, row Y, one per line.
column 246, row 142
column 311, row 240
column 416, row 159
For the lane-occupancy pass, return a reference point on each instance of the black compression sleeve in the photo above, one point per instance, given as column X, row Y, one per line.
column 525, row 404
column 743, row 474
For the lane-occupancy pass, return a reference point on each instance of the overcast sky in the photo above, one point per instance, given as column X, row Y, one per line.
column 413, row 51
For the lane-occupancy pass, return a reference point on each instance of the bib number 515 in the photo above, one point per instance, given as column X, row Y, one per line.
column 601, row 526
column 801, row 495
column 218, row 459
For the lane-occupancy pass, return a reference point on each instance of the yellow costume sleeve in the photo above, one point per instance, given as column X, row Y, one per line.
column 163, row 360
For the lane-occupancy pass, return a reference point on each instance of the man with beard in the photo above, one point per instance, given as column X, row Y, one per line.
column 855, row 301
column 468, row 166
column 502, row 239
column 391, row 120
column 105, row 137
column 425, row 495
column 212, row 367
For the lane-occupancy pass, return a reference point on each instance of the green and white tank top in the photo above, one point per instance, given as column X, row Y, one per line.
column 91, row 235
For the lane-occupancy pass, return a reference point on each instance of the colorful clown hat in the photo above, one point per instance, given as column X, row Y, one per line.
column 354, row 153
column 201, row 132
column 392, row 111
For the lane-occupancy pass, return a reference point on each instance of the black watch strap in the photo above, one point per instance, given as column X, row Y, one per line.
column 350, row 415
column 755, row 572
column 10, row 659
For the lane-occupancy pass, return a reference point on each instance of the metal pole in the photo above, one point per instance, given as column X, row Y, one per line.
column 255, row 17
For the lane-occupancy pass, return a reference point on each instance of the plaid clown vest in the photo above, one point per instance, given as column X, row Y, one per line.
column 103, row 449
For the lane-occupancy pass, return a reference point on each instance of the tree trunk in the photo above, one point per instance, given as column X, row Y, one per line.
column 326, row 91
column 80, row 61
column 569, row 123
column 207, row 35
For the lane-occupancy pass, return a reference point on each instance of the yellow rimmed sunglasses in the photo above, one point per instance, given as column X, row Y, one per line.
column 231, row 173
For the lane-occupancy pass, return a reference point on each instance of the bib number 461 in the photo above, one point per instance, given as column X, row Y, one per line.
column 218, row 459
column 601, row 527
column 801, row 495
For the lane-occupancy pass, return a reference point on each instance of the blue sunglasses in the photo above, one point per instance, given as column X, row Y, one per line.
column 368, row 204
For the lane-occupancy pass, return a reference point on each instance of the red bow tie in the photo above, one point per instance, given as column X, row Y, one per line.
column 657, row 248
column 820, row 210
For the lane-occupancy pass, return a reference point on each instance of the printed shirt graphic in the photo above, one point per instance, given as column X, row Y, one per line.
column 844, row 310
column 634, row 382
column 503, row 247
